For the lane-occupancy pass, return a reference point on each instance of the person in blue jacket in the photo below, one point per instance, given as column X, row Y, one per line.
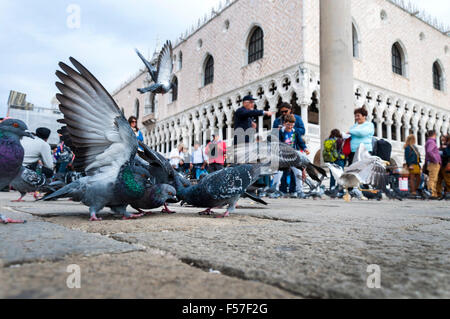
column 291, row 136
column 133, row 123
column 286, row 109
column 243, row 119
column 361, row 132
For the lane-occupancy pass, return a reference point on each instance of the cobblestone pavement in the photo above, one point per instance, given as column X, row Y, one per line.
column 291, row 248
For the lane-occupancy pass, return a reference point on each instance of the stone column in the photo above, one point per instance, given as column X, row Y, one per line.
column 397, row 132
column 229, row 132
column 304, row 109
column 336, row 67
column 389, row 130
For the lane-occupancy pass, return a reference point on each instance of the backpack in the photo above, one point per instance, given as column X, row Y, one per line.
column 330, row 152
column 382, row 149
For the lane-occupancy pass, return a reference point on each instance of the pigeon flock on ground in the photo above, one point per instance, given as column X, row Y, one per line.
column 110, row 172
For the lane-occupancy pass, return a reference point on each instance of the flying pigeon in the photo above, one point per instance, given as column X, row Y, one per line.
column 280, row 156
column 11, row 154
column 367, row 169
column 105, row 145
column 163, row 73
column 223, row 187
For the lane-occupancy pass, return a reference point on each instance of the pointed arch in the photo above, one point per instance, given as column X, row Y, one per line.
column 399, row 59
column 438, row 76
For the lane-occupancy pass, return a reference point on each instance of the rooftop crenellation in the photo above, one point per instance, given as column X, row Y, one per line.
column 422, row 15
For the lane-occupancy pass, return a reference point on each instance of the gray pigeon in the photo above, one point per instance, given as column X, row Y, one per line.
column 162, row 75
column 11, row 154
column 223, row 187
column 30, row 181
column 105, row 145
column 155, row 196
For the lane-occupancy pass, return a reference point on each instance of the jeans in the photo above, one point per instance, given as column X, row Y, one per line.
column 283, row 186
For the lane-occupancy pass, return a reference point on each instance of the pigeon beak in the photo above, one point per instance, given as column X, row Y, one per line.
column 172, row 199
column 28, row 134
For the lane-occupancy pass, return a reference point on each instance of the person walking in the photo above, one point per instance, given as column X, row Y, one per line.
column 216, row 151
column 433, row 162
column 412, row 159
column 332, row 152
column 361, row 132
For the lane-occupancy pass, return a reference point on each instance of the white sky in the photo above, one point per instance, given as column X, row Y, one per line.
column 34, row 37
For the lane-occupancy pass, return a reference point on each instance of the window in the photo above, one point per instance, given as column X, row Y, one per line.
column 180, row 61
column 175, row 89
column 355, row 42
column 209, row 70
column 397, row 59
column 256, row 45
column 136, row 108
column 437, row 76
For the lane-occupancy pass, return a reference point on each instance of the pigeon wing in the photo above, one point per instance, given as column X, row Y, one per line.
column 165, row 66
column 151, row 69
column 229, row 182
column 102, row 137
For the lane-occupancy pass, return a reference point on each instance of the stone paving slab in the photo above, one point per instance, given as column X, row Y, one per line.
column 37, row 241
column 313, row 260
column 306, row 248
column 149, row 274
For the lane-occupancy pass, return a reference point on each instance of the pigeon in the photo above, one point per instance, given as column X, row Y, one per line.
column 105, row 145
column 280, row 156
column 163, row 74
column 155, row 196
column 30, row 181
column 11, row 154
column 367, row 169
column 223, row 187
column 163, row 172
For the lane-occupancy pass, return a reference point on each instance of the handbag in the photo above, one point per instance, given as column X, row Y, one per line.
column 346, row 148
column 414, row 169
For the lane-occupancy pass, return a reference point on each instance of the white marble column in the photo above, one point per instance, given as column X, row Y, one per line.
column 336, row 67
column 389, row 130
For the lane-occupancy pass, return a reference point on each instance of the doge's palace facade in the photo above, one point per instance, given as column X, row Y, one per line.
column 400, row 67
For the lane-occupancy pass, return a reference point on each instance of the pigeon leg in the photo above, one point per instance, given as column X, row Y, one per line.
column 144, row 213
column 126, row 215
column 207, row 211
column 93, row 213
column 19, row 199
column 36, row 195
column 144, row 90
column 167, row 210
column 226, row 214
column 230, row 209
column 6, row 220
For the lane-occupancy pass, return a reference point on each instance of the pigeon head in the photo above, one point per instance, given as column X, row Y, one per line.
column 14, row 127
column 169, row 193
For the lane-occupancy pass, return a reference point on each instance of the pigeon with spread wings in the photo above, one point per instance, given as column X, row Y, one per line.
column 162, row 75
column 368, row 169
column 104, row 145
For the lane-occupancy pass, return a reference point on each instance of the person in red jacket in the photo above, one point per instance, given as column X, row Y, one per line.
column 216, row 152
